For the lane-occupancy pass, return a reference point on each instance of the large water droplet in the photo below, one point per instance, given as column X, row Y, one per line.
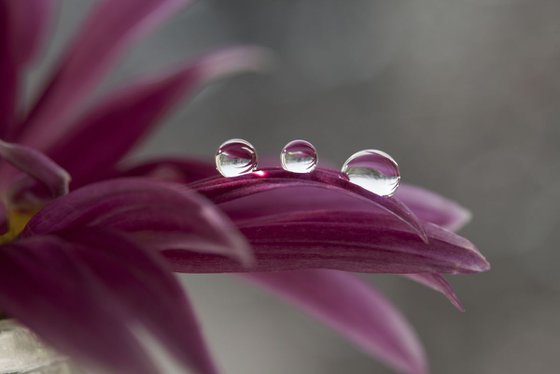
column 373, row 170
column 236, row 157
column 299, row 156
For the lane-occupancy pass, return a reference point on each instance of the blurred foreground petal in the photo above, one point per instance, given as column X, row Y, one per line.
column 22, row 26
column 140, row 280
column 27, row 23
column 109, row 28
column 129, row 114
column 45, row 287
column 353, row 309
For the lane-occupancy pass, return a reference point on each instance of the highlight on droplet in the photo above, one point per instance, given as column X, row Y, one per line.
column 299, row 156
column 373, row 170
column 236, row 157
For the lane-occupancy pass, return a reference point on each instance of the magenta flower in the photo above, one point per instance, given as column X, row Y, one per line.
column 87, row 271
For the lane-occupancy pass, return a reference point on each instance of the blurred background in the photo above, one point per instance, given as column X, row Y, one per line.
column 463, row 93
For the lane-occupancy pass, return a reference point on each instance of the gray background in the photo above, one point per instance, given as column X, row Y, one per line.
column 463, row 93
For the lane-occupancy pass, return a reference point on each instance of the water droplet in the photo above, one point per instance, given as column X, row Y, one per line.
column 299, row 156
column 373, row 170
column 236, row 157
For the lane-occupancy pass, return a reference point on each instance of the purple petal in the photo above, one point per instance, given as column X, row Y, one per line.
column 223, row 190
column 140, row 280
column 181, row 170
column 109, row 28
column 9, row 74
column 155, row 211
column 26, row 25
column 426, row 205
column 4, row 220
column 351, row 241
column 38, row 166
column 128, row 115
column 431, row 207
column 44, row 286
column 22, row 26
column 262, row 211
column 353, row 309
column 438, row 283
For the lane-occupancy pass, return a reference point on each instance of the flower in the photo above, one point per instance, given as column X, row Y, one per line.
column 85, row 270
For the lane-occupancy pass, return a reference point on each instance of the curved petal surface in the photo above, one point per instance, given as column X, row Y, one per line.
column 224, row 190
column 38, row 166
column 426, row 205
column 349, row 246
column 296, row 222
column 169, row 210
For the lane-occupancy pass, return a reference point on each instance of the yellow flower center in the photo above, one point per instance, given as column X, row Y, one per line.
column 17, row 219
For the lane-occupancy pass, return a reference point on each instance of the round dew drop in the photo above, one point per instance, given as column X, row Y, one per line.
column 299, row 156
column 236, row 157
column 373, row 170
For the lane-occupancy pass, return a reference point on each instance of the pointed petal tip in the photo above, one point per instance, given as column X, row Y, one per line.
column 456, row 302
column 406, row 216
column 239, row 247
column 38, row 166
column 422, row 234
column 471, row 261
column 462, row 217
column 434, row 208
column 439, row 284
column 480, row 265
column 485, row 265
column 235, row 60
column 245, row 255
column 241, row 251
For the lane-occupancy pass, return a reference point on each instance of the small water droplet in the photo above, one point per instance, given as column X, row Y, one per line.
column 373, row 170
column 299, row 156
column 236, row 157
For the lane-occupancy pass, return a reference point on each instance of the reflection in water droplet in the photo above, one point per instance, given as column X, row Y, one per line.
column 299, row 156
column 373, row 170
column 236, row 157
